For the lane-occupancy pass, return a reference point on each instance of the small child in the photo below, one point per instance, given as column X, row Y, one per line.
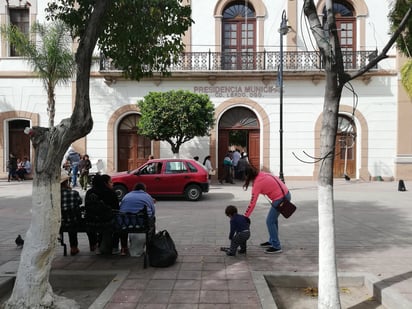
column 239, row 231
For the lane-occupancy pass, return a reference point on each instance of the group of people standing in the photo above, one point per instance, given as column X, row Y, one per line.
column 234, row 165
column 18, row 169
column 78, row 166
column 100, row 205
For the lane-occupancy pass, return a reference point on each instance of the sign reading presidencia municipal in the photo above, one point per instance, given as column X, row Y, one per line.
column 235, row 91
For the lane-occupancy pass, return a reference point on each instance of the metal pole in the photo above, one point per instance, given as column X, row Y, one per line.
column 283, row 30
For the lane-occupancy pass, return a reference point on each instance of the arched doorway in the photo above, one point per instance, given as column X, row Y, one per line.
column 345, row 148
column 19, row 143
column 133, row 149
column 239, row 126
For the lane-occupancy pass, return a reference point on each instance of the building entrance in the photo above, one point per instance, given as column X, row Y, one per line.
column 133, row 149
column 239, row 129
column 19, row 143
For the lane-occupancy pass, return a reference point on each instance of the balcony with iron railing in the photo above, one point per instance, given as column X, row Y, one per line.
column 293, row 61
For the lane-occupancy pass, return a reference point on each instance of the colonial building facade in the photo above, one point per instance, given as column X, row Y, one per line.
column 234, row 52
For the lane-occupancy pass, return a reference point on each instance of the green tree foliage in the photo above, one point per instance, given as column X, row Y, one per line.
column 406, row 77
column 140, row 36
column 175, row 117
column 404, row 41
column 51, row 56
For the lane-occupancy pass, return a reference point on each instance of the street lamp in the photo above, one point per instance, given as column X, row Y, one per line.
column 283, row 30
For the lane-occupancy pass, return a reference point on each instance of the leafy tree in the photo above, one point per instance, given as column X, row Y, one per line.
column 140, row 37
column 175, row 117
column 328, row 43
column 52, row 59
column 404, row 41
column 89, row 21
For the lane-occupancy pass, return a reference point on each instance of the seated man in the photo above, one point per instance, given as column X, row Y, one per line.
column 133, row 202
column 70, row 209
column 24, row 169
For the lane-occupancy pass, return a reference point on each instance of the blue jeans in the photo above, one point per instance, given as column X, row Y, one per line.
column 272, row 222
column 75, row 170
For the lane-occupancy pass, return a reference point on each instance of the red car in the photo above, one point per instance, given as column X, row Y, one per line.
column 165, row 177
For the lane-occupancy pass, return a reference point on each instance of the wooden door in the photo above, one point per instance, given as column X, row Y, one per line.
column 133, row 149
column 222, row 150
column 19, row 143
column 127, row 152
column 254, row 148
column 347, row 30
column 345, row 148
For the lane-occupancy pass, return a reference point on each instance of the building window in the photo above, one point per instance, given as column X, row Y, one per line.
column 19, row 17
column 238, row 37
column 346, row 25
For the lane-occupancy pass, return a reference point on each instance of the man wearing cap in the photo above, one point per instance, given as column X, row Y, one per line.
column 70, row 208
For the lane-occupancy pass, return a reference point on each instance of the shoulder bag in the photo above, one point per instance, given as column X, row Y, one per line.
column 286, row 207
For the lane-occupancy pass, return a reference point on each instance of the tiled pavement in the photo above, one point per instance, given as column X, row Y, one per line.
column 373, row 235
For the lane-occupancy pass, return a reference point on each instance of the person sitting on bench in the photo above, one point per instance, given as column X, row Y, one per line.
column 133, row 202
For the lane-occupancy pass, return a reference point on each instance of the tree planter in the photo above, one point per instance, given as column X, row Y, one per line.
column 91, row 289
column 280, row 290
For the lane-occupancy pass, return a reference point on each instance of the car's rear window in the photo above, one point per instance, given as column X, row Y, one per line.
column 175, row 167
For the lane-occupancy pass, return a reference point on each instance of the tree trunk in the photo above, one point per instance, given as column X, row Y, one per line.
column 328, row 287
column 32, row 289
column 329, row 46
column 51, row 105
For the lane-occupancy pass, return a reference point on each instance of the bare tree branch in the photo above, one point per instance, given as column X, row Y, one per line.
column 383, row 53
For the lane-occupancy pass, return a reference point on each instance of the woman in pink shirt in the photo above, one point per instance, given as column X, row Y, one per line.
column 275, row 190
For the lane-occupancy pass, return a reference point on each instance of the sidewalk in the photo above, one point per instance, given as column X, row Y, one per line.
column 373, row 235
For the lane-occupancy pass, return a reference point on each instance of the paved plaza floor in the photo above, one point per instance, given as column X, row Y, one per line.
column 373, row 235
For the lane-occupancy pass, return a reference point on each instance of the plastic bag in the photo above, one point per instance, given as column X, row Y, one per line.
column 162, row 250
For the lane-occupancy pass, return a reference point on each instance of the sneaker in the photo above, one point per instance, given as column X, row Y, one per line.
column 224, row 249
column 115, row 251
column 272, row 250
column 124, row 252
column 230, row 253
column 266, row 244
column 242, row 251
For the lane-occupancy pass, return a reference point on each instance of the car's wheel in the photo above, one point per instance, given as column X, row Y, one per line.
column 120, row 191
column 193, row 193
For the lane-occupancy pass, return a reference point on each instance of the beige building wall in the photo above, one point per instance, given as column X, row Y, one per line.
column 403, row 162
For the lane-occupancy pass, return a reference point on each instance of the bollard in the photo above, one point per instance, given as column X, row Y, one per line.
column 401, row 185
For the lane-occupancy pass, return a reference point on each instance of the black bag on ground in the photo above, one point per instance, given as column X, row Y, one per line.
column 162, row 250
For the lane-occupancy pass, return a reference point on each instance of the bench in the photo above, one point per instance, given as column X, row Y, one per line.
column 139, row 223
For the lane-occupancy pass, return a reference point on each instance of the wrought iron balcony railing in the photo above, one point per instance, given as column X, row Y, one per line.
column 256, row 61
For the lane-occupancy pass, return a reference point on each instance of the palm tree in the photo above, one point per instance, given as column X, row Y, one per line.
column 51, row 57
